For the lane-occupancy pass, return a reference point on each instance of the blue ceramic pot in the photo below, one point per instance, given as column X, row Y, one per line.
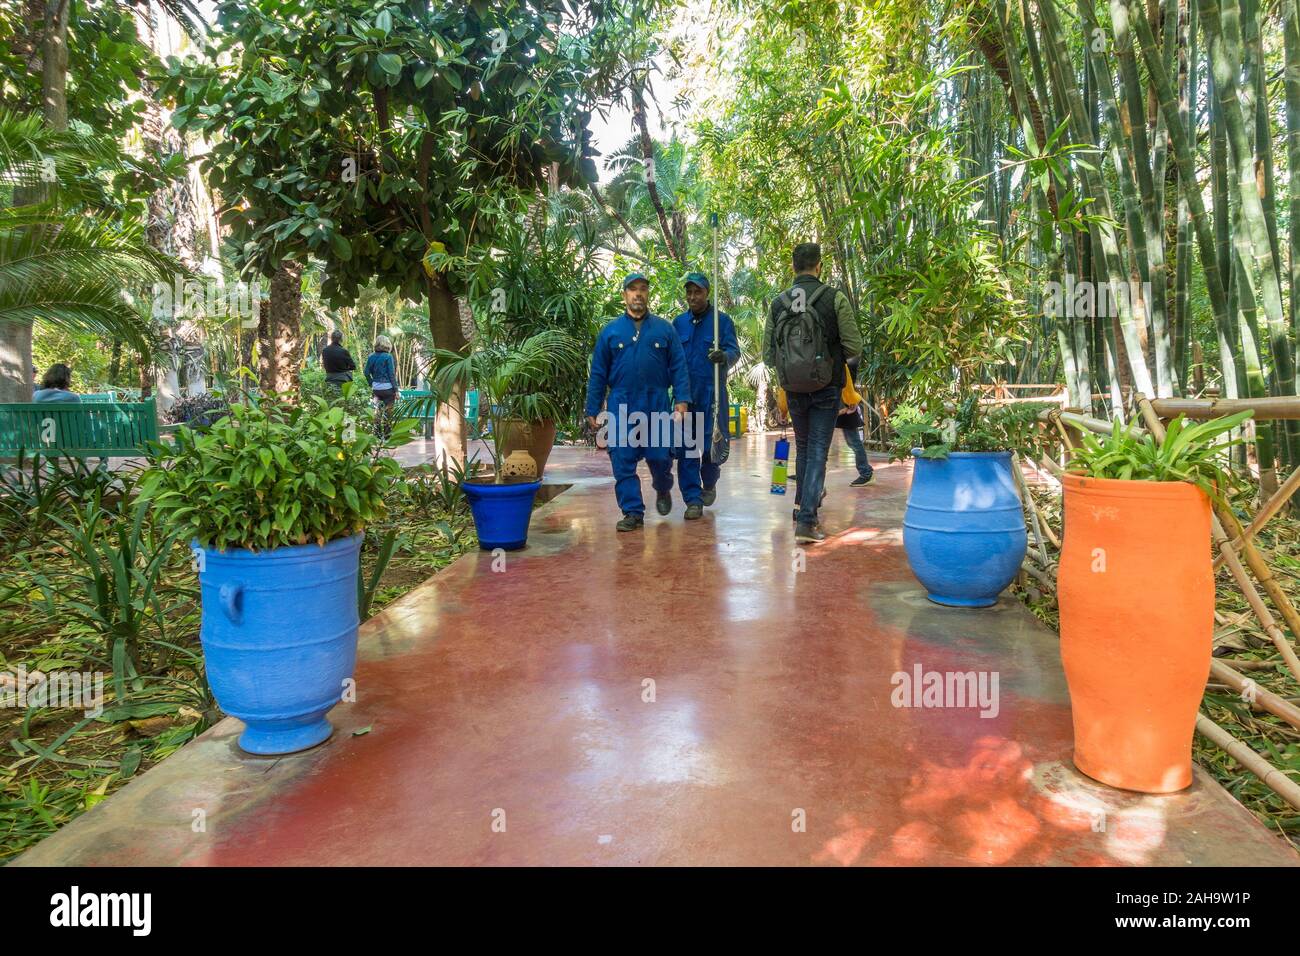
column 501, row 512
column 279, row 637
column 964, row 530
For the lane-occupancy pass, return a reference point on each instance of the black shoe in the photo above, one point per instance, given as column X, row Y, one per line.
column 808, row 534
column 630, row 522
column 816, row 523
column 863, row 480
column 664, row 502
column 694, row 510
column 710, row 496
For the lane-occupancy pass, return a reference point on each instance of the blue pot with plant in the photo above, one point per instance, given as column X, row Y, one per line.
column 279, row 637
column 275, row 499
column 964, row 528
column 518, row 379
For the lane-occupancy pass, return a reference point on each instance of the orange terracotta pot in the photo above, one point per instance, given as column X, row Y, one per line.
column 1136, row 593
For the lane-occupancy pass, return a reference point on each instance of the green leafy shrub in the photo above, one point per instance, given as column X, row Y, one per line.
column 272, row 476
column 1191, row 453
column 971, row 427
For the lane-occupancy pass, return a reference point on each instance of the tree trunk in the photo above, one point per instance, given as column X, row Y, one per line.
column 279, row 333
column 171, row 226
column 49, row 23
column 647, row 154
column 54, row 68
column 448, row 331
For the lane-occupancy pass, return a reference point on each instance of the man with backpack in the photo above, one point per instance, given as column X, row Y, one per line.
column 810, row 335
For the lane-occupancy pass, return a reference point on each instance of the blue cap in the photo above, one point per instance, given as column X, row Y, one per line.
column 633, row 277
column 698, row 278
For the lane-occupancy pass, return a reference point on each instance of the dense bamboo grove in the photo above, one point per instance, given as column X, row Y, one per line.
column 1124, row 167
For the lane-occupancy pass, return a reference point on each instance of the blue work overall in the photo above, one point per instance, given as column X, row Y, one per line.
column 637, row 369
column 696, row 333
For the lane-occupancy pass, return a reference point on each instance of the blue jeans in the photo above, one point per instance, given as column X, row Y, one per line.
column 813, row 416
column 853, row 438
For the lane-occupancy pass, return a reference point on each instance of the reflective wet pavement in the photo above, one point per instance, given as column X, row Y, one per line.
column 693, row 693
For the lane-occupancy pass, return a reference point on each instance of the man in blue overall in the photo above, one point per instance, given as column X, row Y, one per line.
column 637, row 358
column 699, row 476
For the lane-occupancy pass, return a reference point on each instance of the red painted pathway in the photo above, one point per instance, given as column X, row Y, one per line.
column 510, row 725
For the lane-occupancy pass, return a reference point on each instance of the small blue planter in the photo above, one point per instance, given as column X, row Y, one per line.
column 279, row 636
column 501, row 512
column 964, row 530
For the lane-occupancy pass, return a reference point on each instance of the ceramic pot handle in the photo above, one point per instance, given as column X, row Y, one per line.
column 232, row 601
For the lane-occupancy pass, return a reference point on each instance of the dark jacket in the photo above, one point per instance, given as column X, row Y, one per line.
column 696, row 332
column 841, row 328
column 338, row 364
column 380, row 367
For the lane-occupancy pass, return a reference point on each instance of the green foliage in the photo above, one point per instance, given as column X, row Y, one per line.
column 971, row 426
column 366, row 586
column 1194, row 453
column 437, row 488
column 373, row 136
column 114, row 585
column 273, row 475
column 33, row 491
column 62, row 260
column 515, row 380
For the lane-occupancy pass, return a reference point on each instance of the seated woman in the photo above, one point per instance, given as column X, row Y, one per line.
column 56, row 386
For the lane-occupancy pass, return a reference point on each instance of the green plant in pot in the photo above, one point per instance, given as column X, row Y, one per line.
column 1136, row 583
column 514, row 382
column 964, row 529
column 275, row 498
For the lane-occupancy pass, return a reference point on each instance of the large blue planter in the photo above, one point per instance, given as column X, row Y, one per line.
column 279, row 636
column 964, row 530
column 501, row 512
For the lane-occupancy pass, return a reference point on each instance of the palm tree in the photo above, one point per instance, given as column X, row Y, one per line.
column 63, row 261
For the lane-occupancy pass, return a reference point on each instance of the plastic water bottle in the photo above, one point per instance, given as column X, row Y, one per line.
column 779, row 465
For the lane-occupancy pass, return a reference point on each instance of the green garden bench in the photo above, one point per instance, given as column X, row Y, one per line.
column 408, row 404
column 77, row 429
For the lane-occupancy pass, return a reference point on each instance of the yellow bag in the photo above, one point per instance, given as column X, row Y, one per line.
column 849, row 397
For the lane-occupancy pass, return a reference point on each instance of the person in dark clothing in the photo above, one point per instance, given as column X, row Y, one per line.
column 813, row 414
column 850, row 424
column 381, row 371
column 699, row 476
column 56, row 386
column 337, row 362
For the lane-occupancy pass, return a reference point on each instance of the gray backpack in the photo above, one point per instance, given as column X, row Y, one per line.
column 804, row 362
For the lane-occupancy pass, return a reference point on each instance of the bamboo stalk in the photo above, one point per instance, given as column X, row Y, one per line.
column 1271, row 507
column 1038, row 576
column 1265, row 409
column 1222, row 33
column 1259, row 567
column 1027, row 501
column 1145, row 234
column 1101, row 226
column 1258, row 697
column 1269, row 775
